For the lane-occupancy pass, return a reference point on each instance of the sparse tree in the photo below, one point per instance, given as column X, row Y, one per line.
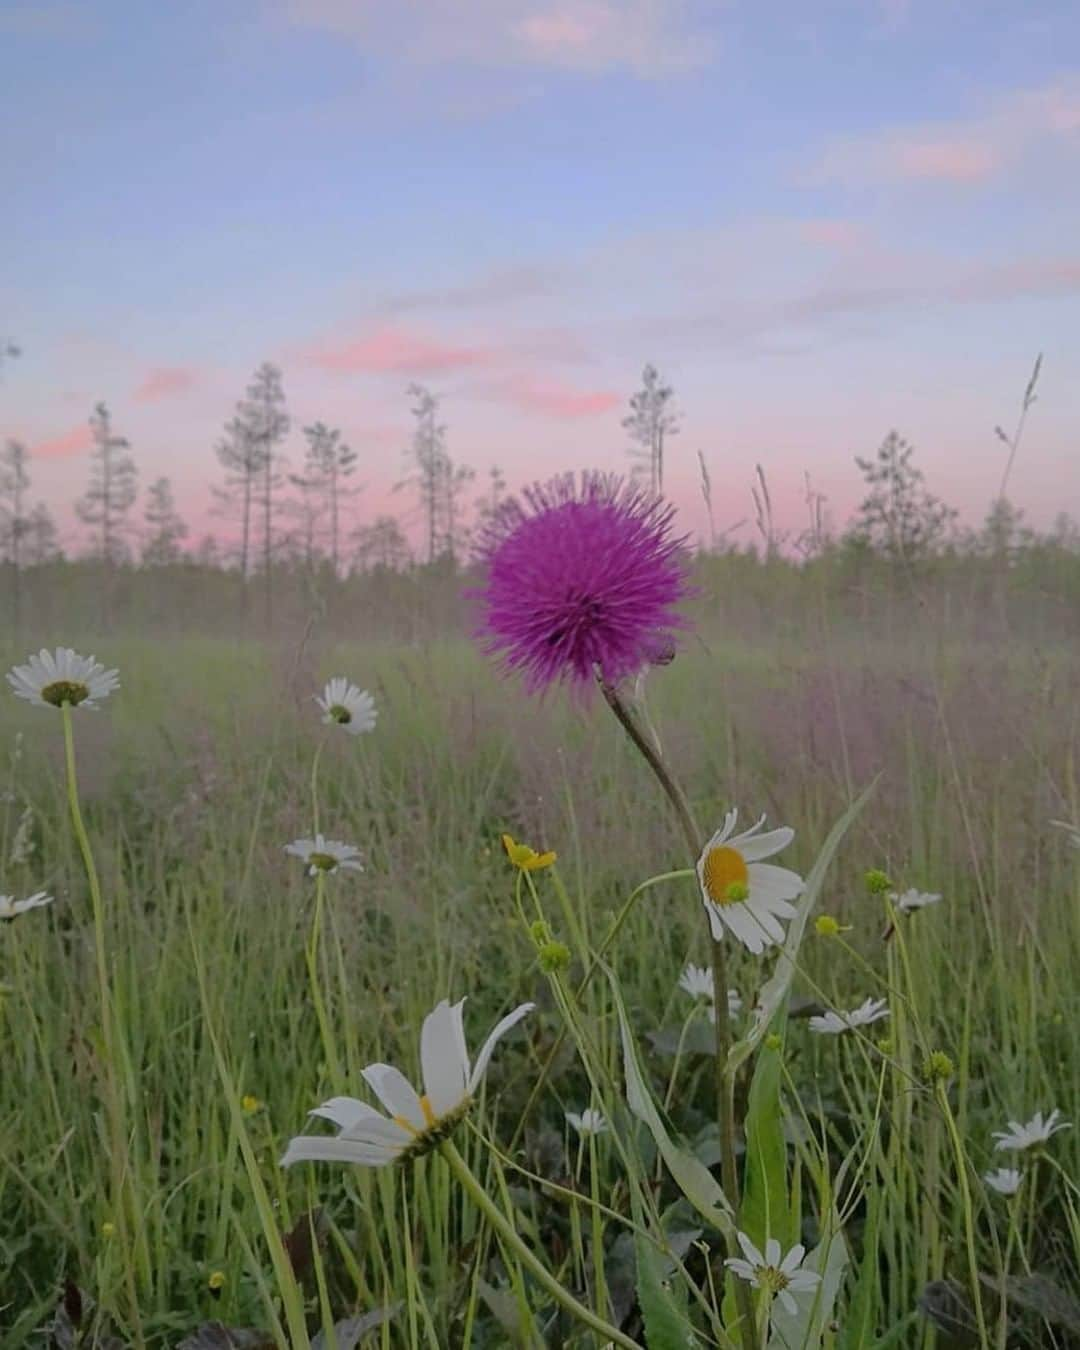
column 456, row 478
column 14, row 522
column 381, row 544
column 428, row 455
column 242, row 460
column 107, row 502
column 898, row 516
column 265, row 425
column 165, row 531
column 651, row 421
column 41, row 543
column 208, row 552
column 328, row 464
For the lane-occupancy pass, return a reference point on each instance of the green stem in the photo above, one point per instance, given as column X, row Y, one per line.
column 91, row 876
column 969, row 1218
column 510, row 1238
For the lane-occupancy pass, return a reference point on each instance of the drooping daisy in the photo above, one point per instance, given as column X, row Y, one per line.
column 833, row 1024
column 348, row 707
column 1037, row 1131
column 414, row 1123
column 742, row 893
column 10, row 908
column 1006, row 1180
column 780, row 1278
column 589, row 1122
column 52, row 679
column 325, row 855
column 580, row 578
column 913, row 899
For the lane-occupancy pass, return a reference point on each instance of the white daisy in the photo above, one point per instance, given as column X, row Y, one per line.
column 11, row 908
column 52, row 679
column 414, row 1123
column 1006, row 1180
column 698, row 982
column 1036, row 1131
column 834, row 1024
column 589, row 1122
column 350, row 708
column 913, row 899
column 742, row 893
column 325, row 855
column 779, row 1278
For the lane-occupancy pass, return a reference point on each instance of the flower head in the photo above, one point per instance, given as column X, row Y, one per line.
column 831, row 1023
column 1006, row 1180
column 779, row 1278
column 876, row 881
column 1037, row 1131
column 414, row 1123
column 348, row 707
column 579, row 578
column 52, row 679
column 325, row 855
column 521, row 855
column 589, row 1122
column 742, row 893
column 913, row 899
column 10, row 908
column 698, row 982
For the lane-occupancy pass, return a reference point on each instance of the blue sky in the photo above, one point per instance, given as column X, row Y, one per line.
column 819, row 220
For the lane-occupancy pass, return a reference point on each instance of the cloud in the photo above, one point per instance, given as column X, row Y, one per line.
column 392, row 350
column 164, row 382
column 69, row 443
column 646, row 38
column 504, row 286
column 966, row 150
column 555, row 399
column 832, row 233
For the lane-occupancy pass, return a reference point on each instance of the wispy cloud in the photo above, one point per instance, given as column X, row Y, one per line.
column 397, row 351
column 488, row 290
column 552, row 398
column 968, row 149
column 165, row 382
column 646, row 38
column 68, row 443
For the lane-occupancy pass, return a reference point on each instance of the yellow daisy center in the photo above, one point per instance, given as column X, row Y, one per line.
column 65, row 691
column 325, row 862
column 727, row 878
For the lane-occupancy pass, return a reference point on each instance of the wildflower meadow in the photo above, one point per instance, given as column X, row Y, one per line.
column 678, row 952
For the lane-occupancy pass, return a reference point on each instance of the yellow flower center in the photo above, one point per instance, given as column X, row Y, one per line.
column 772, row 1278
column 325, row 862
column 727, row 877
column 65, row 691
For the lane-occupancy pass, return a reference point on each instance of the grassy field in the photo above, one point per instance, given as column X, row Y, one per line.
column 139, row 1148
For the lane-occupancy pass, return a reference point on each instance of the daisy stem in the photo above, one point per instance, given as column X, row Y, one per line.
column 969, row 1220
column 725, row 1097
column 509, row 1236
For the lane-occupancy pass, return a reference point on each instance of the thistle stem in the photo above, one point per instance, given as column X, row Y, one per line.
column 725, row 1095
column 510, row 1238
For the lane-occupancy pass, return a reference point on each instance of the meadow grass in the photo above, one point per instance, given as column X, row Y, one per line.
column 194, row 776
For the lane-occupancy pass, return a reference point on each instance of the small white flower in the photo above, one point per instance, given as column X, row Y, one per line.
column 779, row 1278
column 740, row 892
column 325, row 855
column 348, row 707
column 589, row 1122
column 1036, row 1131
column 11, row 908
column 1072, row 831
column 52, row 679
column 1006, row 1180
column 698, row 982
column 913, row 899
column 414, row 1123
column 834, row 1024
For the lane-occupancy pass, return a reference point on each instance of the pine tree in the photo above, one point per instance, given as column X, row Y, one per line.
column 14, row 522
column 428, row 454
column 242, row 460
column 328, row 464
column 266, row 424
column 651, row 421
column 898, row 516
column 107, row 502
column 165, row 531
column 41, row 544
column 381, row 544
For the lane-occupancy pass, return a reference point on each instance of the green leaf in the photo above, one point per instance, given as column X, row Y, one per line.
column 765, row 1211
column 667, row 1326
column 777, row 987
column 860, row 1322
column 805, row 1329
column 691, row 1176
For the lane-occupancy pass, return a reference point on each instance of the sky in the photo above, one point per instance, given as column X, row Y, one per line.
column 820, row 220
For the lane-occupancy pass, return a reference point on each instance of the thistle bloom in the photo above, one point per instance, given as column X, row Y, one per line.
column 913, row 899
column 589, row 1122
column 348, row 707
column 742, row 893
column 10, row 908
column 580, row 579
column 521, row 855
column 1006, row 1180
column 834, row 1024
column 325, row 855
column 52, row 679
column 780, row 1278
column 1037, row 1131
column 414, row 1123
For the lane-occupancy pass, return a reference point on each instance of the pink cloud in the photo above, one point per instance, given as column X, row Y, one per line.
column 164, row 381
column 391, row 350
column 72, row 442
column 948, row 161
column 832, row 233
column 559, row 400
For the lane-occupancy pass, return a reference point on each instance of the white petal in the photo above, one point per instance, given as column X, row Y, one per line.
column 716, row 923
column 445, row 1068
column 743, row 1269
column 500, row 1029
column 313, row 1148
column 778, row 883
column 395, row 1092
column 788, row 1302
column 788, row 1264
column 772, row 1252
column 345, row 1111
column 750, row 1251
column 764, row 845
column 743, row 926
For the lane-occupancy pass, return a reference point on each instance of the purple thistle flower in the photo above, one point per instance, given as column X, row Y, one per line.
column 580, row 579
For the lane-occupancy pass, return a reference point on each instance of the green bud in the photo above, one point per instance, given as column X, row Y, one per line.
column 554, row 956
